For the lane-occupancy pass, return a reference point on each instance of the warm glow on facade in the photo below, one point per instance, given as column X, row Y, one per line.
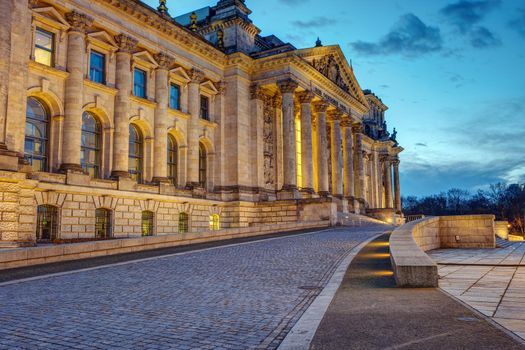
column 298, row 153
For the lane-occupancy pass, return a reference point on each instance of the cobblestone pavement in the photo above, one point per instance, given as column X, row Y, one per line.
column 490, row 280
column 232, row 297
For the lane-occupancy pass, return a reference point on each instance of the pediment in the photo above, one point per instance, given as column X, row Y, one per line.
column 180, row 74
column 209, row 87
column 50, row 16
column 103, row 39
column 331, row 62
column 145, row 58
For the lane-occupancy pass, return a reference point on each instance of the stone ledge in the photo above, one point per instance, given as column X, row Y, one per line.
column 49, row 254
column 413, row 267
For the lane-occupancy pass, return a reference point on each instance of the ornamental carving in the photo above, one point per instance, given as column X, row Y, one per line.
column 196, row 75
column 287, row 86
column 164, row 60
column 329, row 67
column 269, row 141
column 305, row 97
column 126, row 43
column 78, row 21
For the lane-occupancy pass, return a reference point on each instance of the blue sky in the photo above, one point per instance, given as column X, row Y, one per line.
column 451, row 71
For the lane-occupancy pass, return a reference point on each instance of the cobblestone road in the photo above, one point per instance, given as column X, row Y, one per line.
column 237, row 297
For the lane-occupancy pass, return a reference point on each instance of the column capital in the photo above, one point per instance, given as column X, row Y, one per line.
column 196, row 75
column 335, row 115
column 305, row 97
column 256, row 92
column 384, row 158
column 277, row 101
column 79, row 22
column 346, row 123
column 321, row 106
column 164, row 60
column 221, row 87
column 287, row 86
column 357, row 128
column 126, row 43
column 395, row 161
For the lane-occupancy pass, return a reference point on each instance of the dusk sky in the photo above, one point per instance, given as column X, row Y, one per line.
column 452, row 73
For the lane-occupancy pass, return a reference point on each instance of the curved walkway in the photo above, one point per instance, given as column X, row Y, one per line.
column 370, row 312
column 237, row 296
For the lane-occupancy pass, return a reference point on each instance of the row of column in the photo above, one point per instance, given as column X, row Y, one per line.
column 74, row 85
column 346, row 147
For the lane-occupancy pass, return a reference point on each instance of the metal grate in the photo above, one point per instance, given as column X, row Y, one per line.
column 103, row 228
column 147, row 223
column 47, row 223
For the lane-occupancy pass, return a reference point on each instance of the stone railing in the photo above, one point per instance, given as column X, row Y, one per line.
column 410, row 218
column 408, row 244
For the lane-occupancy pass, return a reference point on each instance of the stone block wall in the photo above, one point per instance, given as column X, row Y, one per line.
column 502, row 229
column 467, row 231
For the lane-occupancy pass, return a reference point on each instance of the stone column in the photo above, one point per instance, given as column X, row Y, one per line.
column 337, row 156
column 74, row 89
column 348, row 160
column 360, row 164
column 6, row 18
column 397, row 186
column 322, row 149
column 257, row 135
column 387, row 168
column 305, row 98
column 122, row 104
column 160, row 154
column 287, row 88
column 196, row 77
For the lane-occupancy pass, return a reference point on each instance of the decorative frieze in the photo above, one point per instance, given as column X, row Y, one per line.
column 329, row 67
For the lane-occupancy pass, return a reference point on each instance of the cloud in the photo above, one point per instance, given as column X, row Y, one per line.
column 465, row 16
column 421, row 144
column 409, row 37
column 317, row 22
column 518, row 24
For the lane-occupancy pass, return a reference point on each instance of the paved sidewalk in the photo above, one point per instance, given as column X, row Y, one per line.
column 370, row 312
column 490, row 280
column 228, row 297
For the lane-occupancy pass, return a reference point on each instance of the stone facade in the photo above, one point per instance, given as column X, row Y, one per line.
column 117, row 118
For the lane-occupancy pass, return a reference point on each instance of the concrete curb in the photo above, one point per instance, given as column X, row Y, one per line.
column 303, row 332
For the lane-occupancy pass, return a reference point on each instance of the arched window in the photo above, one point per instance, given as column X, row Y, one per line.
column 184, row 220
column 47, row 222
column 36, row 146
column 172, row 159
column 215, row 223
column 136, row 153
column 90, row 151
column 203, row 165
column 103, row 228
column 147, row 223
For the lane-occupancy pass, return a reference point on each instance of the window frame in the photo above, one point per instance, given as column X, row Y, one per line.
column 184, row 225
column 179, row 99
column 204, row 113
column 55, row 223
column 108, row 232
column 45, row 141
column 98, row 148
column 151, row 225
column 215, row 222
column 104, row 69
column 139, row 174
column 145, row 71
column 173, row 165
column 52, row 51
column 203, row 165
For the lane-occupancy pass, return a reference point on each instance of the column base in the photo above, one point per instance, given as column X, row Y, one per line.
column 288, row 192
column 117, row 174
column 160, row 180
column 307, row 192
column 67, row 167
column 324, row 194
column 9, row 160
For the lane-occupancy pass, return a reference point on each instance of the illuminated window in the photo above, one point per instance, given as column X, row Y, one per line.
column 147, row 223
column 172, row 159
column 44, row 47
column 47, row 222
column 175, row 96
column 102, row 223
column 205, row 108
column 136, row 153
column 36, row 135
column 215, row 223
column 183, row 222
column 298, row 153
column 203, row 165
column 97, row 67
column 90, row 153
column 139, row 83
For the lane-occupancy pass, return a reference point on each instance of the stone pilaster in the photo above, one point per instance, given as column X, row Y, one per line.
column 6, row 18
column 257, row 135
column 348, row 160
column 287, row 88
column 322, row 149
column 387, row 168
column 397, row 186
column 74, row 90
column 360, row 164
column 122, row 104
column 337, row 156
column 196, row 77
column 305, row 99
column 160, row 156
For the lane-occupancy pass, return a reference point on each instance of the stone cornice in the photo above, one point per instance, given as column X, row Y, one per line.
column 181, row 36
column 249, row 27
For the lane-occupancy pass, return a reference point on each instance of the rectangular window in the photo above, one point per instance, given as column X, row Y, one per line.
column 139, row 83
column 44, row 47
column 97, row 67
column 175, row 96
column 205, row 105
